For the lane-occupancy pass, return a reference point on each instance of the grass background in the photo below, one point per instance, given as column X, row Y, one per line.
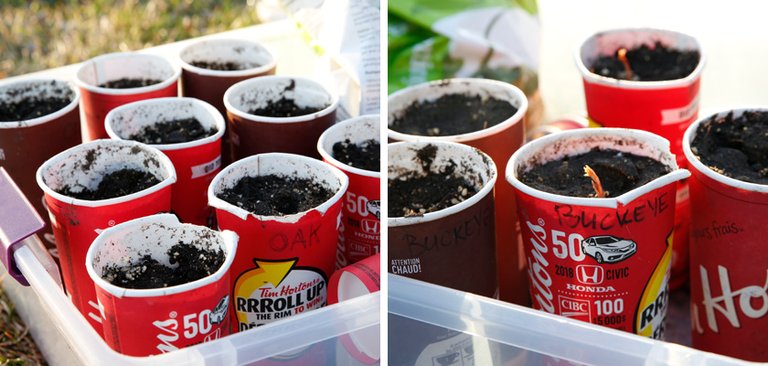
column 41, row 34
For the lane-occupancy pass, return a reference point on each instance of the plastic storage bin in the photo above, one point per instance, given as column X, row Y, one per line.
column 514, row 335
column 65, row 338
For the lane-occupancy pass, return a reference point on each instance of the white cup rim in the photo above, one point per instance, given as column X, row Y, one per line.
column 245, row 84
column 217, row 118
column 218, row 203
column 659, row 143
column 484, row 191
column 129, row 91
column 228, row 73
column 229, row 238
column 327, row 155
column 162, row 158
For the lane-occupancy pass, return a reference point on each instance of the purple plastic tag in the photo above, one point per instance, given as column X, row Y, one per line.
column 18, row 220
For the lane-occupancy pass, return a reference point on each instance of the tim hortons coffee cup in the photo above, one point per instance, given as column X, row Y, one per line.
column 729, row 275
column 256, row 124
column 26, row 144
column 283, row 262
column 453, row 246
column 97, row 99
column 144, row 320
column 601, row 260
column 360, row 228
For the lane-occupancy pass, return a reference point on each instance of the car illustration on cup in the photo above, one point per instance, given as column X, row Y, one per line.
column 220, row 311
column 608, row 249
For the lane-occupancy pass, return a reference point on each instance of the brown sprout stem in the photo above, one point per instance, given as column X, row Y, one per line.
column 596, row 185
column 622, row 54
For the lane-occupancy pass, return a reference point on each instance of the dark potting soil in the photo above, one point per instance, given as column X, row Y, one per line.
column 274, row 195
column 116, row 184
column 127, row 83
column 221, row 66
column 188, row 263
column 363, row 155
column 173, row 132
column 649, row 63
column 284, row 107
column 735, row 147
column 30, row 108
column 452, row 114
column 416, row 193
column 619, row 173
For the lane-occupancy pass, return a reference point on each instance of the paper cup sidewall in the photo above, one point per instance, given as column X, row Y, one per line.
column 162, row 328
column 98, row 101
column 25, row 145
column 300, row 249
column 587, row 238
column 718, row 219
column 360, row 230
column 464, row 233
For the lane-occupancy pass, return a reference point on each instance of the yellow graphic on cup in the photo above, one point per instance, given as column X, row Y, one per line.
column 266, row 272
column 651, row 311
column 592, row 123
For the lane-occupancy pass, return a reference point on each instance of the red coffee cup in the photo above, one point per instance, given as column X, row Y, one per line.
column 665, row 108
column 196, row 162
column 210, row 85
column 283, row 262
column 77, row 222
column 142, row 322
column 358, row 279
column 454, row 247
column 25, row 145
column 601, row 260
column 728, row 271
column 361, row 218
column 499, row 142
column 251, row 134
column 98, row 101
